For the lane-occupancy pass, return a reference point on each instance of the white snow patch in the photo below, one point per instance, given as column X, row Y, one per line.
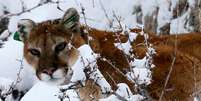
column 123, row 92
column 164, row 14
column 149, row 7
column 5, row 84
column 11, row 52
column 50, row 11
column 126, row 47
column 178, row 25
column 78, row 71
column 192, row 3
column 43, row 92
column 87, row 59
column 140, row 74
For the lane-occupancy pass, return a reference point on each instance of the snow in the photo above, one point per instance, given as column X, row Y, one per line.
column 178, row 25
column 44, row 92
column 11, row 6
column 78, row 71
column 181, row 24
column 192, row 3
column 140, row 72
column 50, row 11
column 124, row 12
column 101, row 81
column 87, row 59
column 164, row 14
column 126, row 47
column 5, row 84
column 149, row 7
column 196, row 98
column 123, row 92
column 12, row 50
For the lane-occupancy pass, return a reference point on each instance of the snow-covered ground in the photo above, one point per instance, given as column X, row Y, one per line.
column 11, row 55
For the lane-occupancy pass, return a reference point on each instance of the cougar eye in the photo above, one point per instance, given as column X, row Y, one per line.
column 35, row 52
column 60, row 47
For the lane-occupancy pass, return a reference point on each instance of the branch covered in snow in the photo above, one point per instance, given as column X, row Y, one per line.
column 24, row 8
column 86, row 68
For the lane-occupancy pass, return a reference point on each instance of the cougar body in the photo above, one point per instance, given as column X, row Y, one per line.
column 48, row 48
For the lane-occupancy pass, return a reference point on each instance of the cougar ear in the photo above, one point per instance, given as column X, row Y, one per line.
column 24, row 28
column 71, row 19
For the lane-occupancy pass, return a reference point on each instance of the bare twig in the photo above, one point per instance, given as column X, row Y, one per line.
column 58, row 7
column 167, row 79
column 195, row 94
column 173, row 61
column 171, row 68
column 114, row 67
column 23, row 5
column 85, row 21
column 111, row 78
column 106, row 15
column 118, row 20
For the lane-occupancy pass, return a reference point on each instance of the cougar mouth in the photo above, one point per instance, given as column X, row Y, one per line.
column 58, row 77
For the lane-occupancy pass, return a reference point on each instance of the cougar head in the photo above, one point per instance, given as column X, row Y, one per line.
column 48, row 46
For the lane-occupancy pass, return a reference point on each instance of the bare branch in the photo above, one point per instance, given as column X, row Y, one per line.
column 118, row 20
column 170, row 71
column 111, row 78
column 167, row 79
column 106, row 15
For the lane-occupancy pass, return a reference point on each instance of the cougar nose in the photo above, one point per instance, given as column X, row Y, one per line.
column 49, row 71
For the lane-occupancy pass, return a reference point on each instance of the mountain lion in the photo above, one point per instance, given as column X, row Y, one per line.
column 46, row 48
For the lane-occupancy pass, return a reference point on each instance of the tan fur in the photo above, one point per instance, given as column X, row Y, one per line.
column 45, row 37
column 180, row 86
column 90, row 92
column 181, row 83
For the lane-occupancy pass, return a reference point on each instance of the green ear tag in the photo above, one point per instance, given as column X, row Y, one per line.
column 17, row 36
column 72, row 18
